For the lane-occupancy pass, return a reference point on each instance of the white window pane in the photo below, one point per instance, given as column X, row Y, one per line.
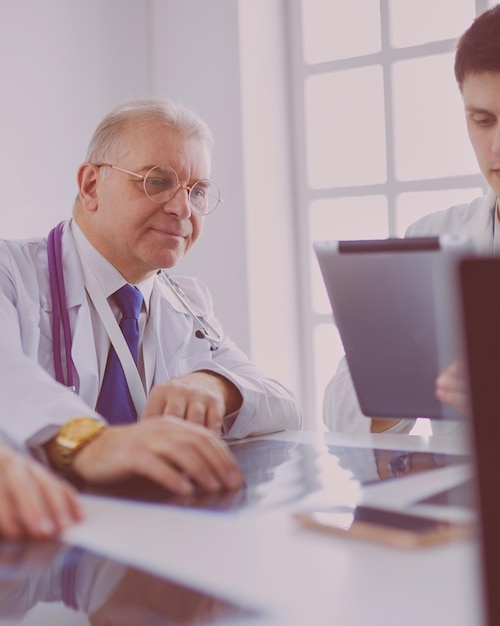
column 362, row 217
column 415, row 22
column 345, row 128
column 332, row 29
column 429, row 123
column 412, row 206
column 352, row 217
column 328, row 350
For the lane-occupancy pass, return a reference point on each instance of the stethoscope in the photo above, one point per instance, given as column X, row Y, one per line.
column 60, row 317
column 205, row 329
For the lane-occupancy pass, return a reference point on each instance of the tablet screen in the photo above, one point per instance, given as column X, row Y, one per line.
column 385, row 297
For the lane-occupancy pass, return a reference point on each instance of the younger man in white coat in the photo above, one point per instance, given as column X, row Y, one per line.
column 477, row 71
column 144, row 192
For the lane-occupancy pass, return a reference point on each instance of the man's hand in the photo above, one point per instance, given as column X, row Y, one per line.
column 33, row 502
column 380, row 425
column 451, row 387
column 173, row 453
column 200, row 397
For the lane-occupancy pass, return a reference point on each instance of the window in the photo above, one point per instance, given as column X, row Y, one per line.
column 379, row 137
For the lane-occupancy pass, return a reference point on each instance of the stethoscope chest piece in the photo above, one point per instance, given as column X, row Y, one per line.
column 205, row 330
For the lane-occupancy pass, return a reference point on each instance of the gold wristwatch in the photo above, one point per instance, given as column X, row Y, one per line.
column 71, row 438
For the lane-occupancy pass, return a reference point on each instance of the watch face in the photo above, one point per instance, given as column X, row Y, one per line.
column 78, row 431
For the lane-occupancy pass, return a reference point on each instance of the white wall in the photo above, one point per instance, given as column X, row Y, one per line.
column 64, row 63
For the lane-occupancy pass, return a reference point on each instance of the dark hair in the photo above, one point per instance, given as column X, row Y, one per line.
column 478, row 49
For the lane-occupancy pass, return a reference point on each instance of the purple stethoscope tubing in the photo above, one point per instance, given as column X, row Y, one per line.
column 60, row 316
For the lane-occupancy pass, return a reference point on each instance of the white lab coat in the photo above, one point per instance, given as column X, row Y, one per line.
column 341, row 410
column 29, row 394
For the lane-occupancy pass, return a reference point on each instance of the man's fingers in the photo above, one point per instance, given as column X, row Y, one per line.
column 214, row 420
column 205, row 411
column 10, row 525
column 451, row 388
column 60, row 499
column 164, row 474
column 206, row 414
column 172, row 452
column 155, row 403
column 35, row 503
column 206, row 463
column 198, row 397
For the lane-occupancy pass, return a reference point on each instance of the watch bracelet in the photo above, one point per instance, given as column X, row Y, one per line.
column 65, row 457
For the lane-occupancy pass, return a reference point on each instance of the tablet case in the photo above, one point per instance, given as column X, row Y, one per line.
column 384, row 296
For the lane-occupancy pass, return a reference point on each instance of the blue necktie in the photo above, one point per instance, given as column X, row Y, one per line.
column 115, row 402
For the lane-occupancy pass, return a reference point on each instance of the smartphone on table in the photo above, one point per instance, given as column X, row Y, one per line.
column 402, row 529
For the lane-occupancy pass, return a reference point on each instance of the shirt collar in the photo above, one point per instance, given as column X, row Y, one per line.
column 108, row 277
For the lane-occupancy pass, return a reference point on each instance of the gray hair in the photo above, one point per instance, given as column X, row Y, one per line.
column 108, row 136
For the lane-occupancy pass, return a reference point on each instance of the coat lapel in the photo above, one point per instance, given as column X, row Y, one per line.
column 83, row 350
column 172, row 334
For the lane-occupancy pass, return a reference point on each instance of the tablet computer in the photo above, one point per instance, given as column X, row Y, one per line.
column 387, row 298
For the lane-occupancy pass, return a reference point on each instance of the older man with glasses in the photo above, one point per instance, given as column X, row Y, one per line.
column 107, row 372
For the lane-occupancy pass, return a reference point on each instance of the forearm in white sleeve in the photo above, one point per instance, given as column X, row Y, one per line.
column 341, row 410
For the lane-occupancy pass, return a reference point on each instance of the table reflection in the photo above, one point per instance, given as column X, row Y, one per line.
column 462, row 496
column 279, row 472
column 99, row 591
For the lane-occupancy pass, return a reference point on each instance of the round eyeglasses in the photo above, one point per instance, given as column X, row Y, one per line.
column 162, row 183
